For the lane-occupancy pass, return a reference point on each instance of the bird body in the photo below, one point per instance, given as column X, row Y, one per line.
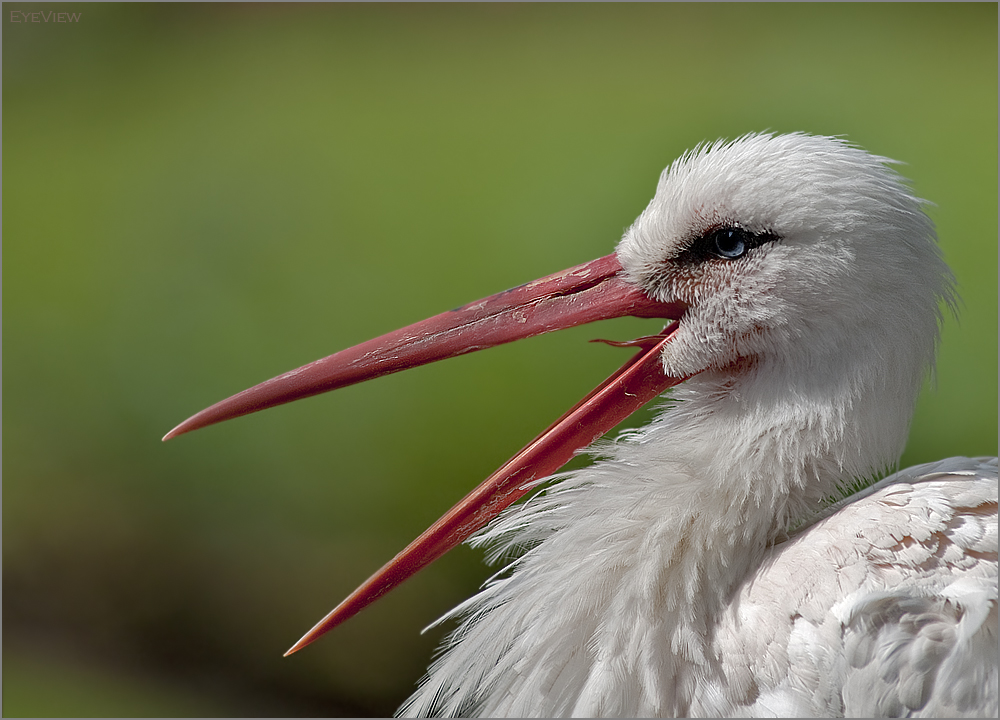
column 883, row 607
column 735, row 557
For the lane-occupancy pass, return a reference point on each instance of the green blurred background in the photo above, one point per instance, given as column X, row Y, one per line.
column 199, row 197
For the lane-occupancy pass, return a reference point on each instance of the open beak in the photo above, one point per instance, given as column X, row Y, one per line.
column 583, row 294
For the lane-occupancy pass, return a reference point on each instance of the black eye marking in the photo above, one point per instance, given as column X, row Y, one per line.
column 726, row 243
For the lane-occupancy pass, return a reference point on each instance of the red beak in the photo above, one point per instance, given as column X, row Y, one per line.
column 585, row 293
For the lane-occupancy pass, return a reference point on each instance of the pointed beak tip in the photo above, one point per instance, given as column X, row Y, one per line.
column 303, row 641
column 179, row 430
column 196, row 422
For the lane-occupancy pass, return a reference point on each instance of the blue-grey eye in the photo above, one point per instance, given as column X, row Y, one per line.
column 730, row 243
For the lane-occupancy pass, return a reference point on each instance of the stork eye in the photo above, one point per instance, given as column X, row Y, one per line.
column 730, row 243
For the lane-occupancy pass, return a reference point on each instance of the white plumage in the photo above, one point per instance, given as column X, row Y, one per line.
column 698, row 570
column 885, row 608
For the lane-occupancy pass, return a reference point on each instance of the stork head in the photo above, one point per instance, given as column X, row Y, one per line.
column 796, row 251
column 797, row 259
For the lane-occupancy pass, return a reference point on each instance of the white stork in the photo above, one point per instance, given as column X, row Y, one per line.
column 735, row 557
